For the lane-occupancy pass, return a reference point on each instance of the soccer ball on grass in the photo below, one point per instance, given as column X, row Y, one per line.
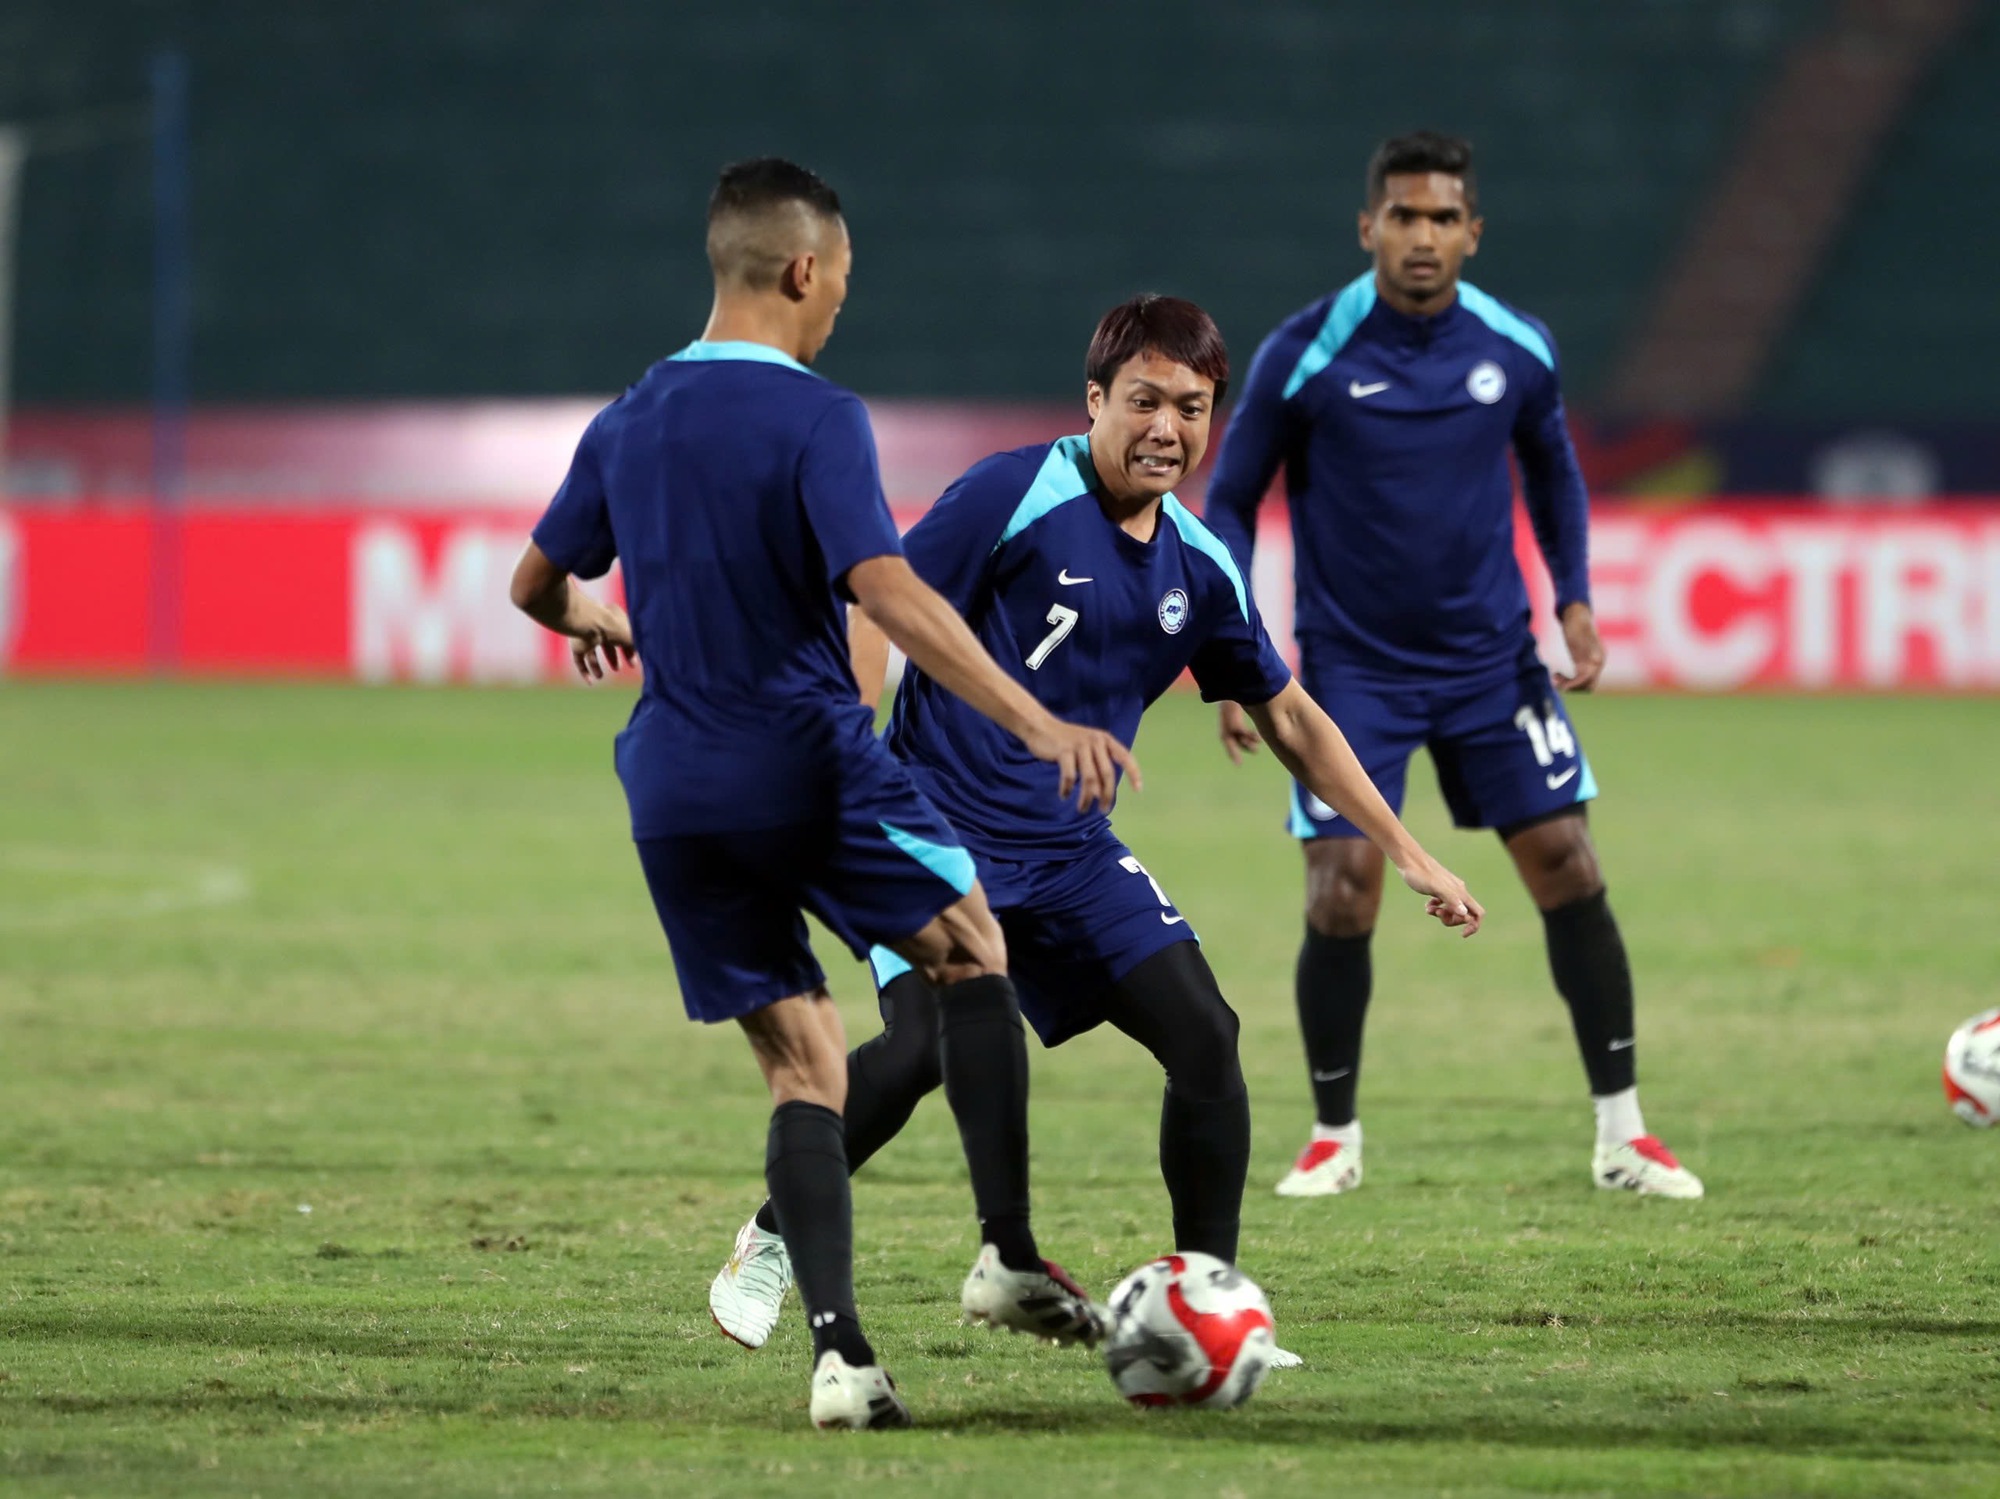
column 1188, row 1329
column 1972, row 1069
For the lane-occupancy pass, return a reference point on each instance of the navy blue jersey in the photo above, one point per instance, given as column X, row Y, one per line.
column 1394, row 433
column 738, row 488
column 1092, row 621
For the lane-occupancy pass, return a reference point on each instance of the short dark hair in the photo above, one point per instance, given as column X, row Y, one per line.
column 1421, row 151
column 755, row 216
column 1172, row 327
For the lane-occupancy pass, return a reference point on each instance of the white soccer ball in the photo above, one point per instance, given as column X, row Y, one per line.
column 1188, row 1329
column 1972, row 1069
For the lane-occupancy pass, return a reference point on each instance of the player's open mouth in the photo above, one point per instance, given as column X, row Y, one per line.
column 1151, row 463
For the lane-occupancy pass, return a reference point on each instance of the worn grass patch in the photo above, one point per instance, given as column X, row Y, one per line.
column 393, row 1167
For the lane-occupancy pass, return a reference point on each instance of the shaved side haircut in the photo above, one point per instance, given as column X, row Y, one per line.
column 763, row 214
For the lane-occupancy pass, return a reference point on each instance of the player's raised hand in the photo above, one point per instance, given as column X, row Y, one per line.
column 1450, row 902
column 1586, row 649
column 1088, row 761
column 605, row 644
column 1238, row 737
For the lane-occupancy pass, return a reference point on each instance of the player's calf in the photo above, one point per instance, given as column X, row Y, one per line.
column 887, row 1076
column 1170, row 1004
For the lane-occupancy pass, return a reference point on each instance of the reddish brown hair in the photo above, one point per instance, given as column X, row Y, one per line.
column 1172, row 327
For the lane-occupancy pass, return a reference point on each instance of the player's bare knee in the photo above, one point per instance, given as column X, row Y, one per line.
column 806, row 1087
column 979, row 947
column 800, row 1049
column 963, row 942
column 983, row 953
column 1557, row 862
column 1343, row 888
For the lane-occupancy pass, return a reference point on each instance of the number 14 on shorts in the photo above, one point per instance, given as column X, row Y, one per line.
column 1548, row 733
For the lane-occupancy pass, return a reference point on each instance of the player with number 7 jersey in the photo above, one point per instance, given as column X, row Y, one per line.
column 1094, row 586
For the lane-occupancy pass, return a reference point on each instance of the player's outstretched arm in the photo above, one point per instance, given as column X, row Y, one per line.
column 1311, row 746
column 919, row 620
column 600, row 634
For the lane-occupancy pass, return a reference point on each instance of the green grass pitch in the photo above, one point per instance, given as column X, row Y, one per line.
column 352, row 1140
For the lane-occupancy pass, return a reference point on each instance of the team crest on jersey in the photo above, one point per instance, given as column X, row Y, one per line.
column 1173, row 611
column 1487, row 383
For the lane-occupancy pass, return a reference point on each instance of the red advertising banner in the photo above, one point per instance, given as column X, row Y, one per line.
column 1702, row 598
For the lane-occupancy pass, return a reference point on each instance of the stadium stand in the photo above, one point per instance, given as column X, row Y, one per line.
column 361, row 187
column 1903, row 322
column 1779, row 205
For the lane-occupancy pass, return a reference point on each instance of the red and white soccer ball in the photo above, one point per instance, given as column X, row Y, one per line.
column 1972, row 1069
column 1188, row 1329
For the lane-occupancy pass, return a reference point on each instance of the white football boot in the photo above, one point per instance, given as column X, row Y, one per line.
column 1284, row 1358
column 1045, row 1303
column 859, row 1397
column 1645, row 1166
column 1323, row 1168
column 748, row 1292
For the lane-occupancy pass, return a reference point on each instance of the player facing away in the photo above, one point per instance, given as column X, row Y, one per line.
column 1392, row 405
column 741, row 493
column 1095, row 588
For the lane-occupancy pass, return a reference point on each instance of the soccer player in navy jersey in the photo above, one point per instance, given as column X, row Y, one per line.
column 1392, row 405
column 740, row 491
column 1096, row 588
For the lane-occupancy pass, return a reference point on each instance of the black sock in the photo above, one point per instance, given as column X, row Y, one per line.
column 805, row 1169
column 1587, row 957
column 983, row 1056
column 887, row 1077
column 1205, row 1158
column 1335, row 977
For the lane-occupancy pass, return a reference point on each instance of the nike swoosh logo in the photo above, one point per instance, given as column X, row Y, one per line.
column 1625, row 1045
column 1331, row 1077
column 1356, row 389
column 1066, row 580
column 1563, row 779
column 1166, row 920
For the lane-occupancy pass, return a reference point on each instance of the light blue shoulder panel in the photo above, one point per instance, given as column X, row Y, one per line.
column 1065, row 475
column 1504, row 322
column 1354, row 303
column 1205, row 541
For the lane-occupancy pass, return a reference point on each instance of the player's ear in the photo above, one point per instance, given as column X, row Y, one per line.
column 797, row 279
column 1366, row 229
column 1472, row 230
column 1093, row 398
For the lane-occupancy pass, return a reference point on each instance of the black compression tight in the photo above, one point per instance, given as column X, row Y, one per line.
column 1171, row 1005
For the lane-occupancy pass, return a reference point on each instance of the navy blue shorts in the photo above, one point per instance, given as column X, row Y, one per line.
column 878, row 870
column 1505, row 751
column 1075, row 926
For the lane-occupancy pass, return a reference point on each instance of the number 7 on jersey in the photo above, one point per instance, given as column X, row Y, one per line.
column 1064, row 621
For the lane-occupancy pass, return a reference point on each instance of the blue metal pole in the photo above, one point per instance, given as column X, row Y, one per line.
column 172, row 337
